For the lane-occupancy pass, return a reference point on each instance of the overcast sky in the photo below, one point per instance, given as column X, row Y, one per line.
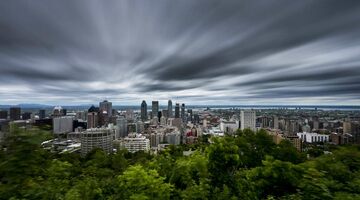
column 193, row 51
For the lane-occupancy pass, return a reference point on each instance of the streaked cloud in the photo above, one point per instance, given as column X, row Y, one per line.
column 199, row 52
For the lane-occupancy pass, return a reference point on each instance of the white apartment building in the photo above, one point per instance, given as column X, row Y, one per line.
column 313, row 137
column 229, row 126
column 138, row 143
column 63, row 124
column 248, row 119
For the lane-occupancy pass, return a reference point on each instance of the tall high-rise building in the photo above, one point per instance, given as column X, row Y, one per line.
column 316, row 123
column 347, row 126
column 165, row 113
column 15, row 113
column 173, row 138
column 81, row 115
column 96, row 138
column 58, row 111
column 140, row 127
column 170, row 111
column 122, row 129
column 248, row 119
column 177, row 110
column 63, row 124
column 159, row 115
column 183, row 116
column 106, row 108
column 93, row 117
column 196, row 118
column 42, row 114
column 276, row 122
column 144, row 116
column 190, row 115
column 155, row 108
column 26, row 115
column 3, row 114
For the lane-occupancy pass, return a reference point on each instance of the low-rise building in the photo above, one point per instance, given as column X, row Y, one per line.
column 341, row 138
column 137, row 143
column 313, row 137
column 215, row 131
column 229, row 126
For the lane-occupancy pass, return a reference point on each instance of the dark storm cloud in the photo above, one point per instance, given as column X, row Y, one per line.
column 205, row 50
column 312, row 75
column 162, row 87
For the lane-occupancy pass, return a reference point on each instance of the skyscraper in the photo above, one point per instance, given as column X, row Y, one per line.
column 121, row 125
column 106, row 106
column 58, row 111
column 248, row 119
column 41, row 114
column 276, row 122
column 63, row 124
column 165, row 113
column 316, row 123
column 144, row 116
column 15, row 113
column 140, row 127
column 155, row 108
column 3, row 114
column 177, row 110
column 170, row 111
column 183, row 116
column 26, row 115
column 93, row 118
column 159, row 115
column 190, row 117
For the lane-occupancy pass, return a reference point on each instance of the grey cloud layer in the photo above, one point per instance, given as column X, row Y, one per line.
column 208, row 51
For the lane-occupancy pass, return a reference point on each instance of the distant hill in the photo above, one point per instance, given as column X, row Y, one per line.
column 25, row 106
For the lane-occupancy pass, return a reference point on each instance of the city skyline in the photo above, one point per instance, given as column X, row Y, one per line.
column 194, row 52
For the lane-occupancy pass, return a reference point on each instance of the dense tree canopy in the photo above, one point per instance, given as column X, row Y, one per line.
column 246, row 165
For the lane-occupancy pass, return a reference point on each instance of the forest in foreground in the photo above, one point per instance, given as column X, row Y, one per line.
column 247, row 165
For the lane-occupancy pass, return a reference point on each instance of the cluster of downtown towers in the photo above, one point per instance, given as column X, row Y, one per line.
column 155, row 112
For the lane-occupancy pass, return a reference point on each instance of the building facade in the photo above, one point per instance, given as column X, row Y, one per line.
column 177, row 110
column 229, row 126
column 3, row 114
column 42, row 114
column 62, row 125
column 15, row 113
column 248, row 119
column 155, row 108
column 96, row 138
column 106, row 108
column 183, row 116
column 170, row 110
column 143, row 114
column 93, row 117
column 134, row 144
column 313, row 137
column 121, row 127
